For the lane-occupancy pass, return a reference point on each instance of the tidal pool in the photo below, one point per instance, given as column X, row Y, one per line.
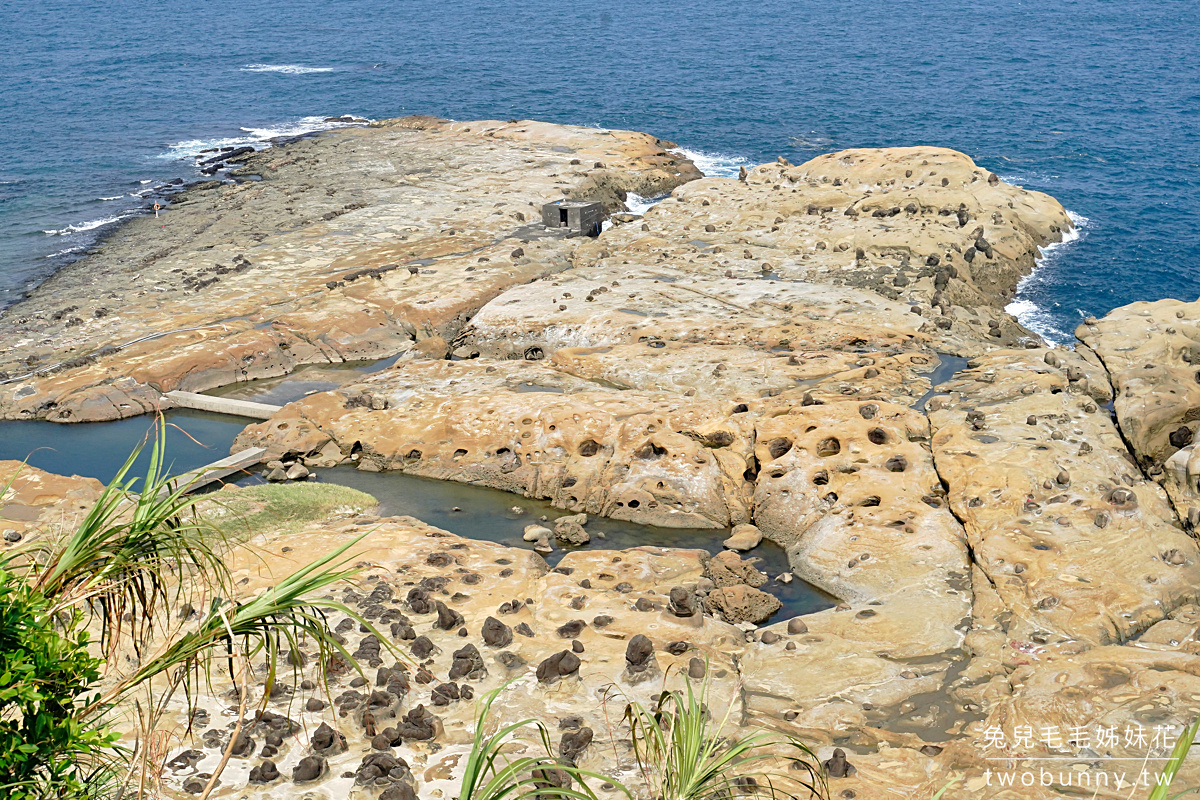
column 196, row 438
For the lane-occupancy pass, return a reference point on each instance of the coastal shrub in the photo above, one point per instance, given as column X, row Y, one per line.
column 140, row 555
column 46, row 672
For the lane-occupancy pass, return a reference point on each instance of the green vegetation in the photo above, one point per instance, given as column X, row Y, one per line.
column 1182, row 747
column 280, row 508
column 682, row 753
column 46, row 750
column 490, row 775
column 135, row 555
column 147, row 549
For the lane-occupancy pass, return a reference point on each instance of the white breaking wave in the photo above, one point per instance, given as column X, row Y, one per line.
column 714, row 165
column 67, row 251
column 118, row 197
column 90, row 225
column 1034, row 317
column 285, row 69
column 255, row 137
column 640, row 205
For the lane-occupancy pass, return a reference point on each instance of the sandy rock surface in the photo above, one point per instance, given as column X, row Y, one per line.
column 1152, row 350
column 1079, row 545
column 35, row 503
column 346, row 247
column 777, row 352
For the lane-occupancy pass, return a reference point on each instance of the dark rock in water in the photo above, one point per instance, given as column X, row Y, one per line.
column 235, row 153
column 496, row 633
column 558, row 666
column 309, row 769
column 448, row 619
column 264, row 772
column 837, row 766
column 468, row 663
column 418, row 724
column 574, row 743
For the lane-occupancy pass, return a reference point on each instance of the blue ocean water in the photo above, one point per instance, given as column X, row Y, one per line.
column 1093, row 101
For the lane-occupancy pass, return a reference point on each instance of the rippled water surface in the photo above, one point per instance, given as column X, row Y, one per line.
column 1095, row 102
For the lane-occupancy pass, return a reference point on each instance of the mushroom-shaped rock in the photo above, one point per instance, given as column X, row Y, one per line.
column 496, row 633
column 559, row 665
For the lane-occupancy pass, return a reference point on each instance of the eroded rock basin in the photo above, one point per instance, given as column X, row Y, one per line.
column 195, row 438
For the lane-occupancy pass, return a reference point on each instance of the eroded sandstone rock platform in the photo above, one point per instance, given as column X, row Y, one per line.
column 748, row 351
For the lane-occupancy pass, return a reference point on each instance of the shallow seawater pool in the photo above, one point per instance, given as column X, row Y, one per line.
column 306, row 380
column 478, row 512
column 196, row 438
column 98, row 449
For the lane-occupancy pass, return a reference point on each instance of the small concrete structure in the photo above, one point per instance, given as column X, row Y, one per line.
column 222, row 405
column 581, row 217
column 219, row 469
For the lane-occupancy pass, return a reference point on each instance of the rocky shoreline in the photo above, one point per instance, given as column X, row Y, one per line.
column 756, row 352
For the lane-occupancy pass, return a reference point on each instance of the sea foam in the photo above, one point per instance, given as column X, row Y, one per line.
column 1037, row 318
column 254, row 137
column 90, row 225
column 285, row 69
column 712, row 165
